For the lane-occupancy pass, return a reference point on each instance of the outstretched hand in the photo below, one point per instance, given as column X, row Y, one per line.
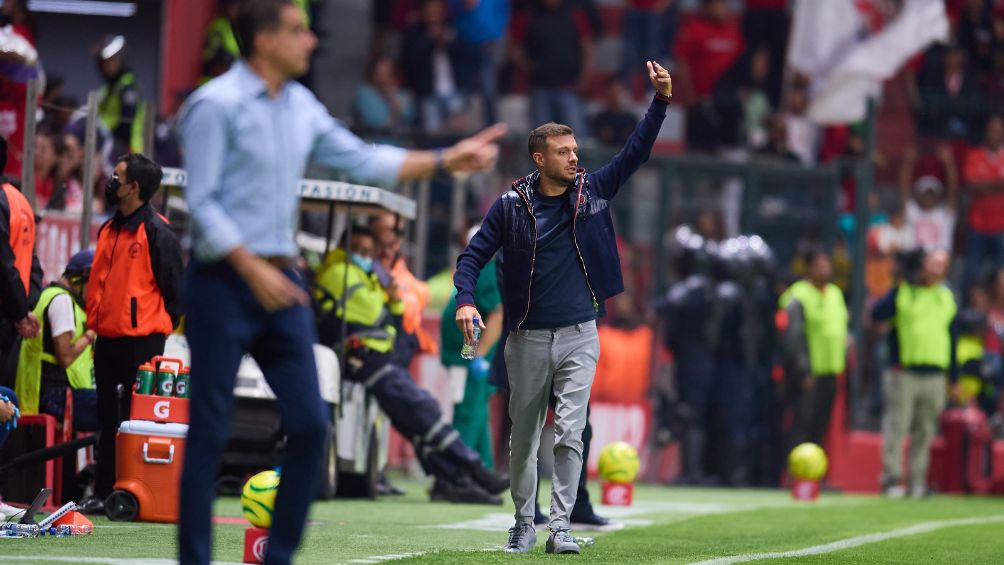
column 660, row 79
column 476, row 153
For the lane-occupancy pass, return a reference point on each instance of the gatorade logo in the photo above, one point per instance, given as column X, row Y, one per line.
column 258, row 549
column 180, row 389
column 162, row 409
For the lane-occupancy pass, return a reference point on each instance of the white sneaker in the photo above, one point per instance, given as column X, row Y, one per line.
column 9, row 512
column 895, row 491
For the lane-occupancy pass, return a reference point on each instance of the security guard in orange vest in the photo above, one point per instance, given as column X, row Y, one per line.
column 133, row 300
column 20, row 274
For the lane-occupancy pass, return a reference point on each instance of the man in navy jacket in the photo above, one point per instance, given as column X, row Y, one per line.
column 561, row 263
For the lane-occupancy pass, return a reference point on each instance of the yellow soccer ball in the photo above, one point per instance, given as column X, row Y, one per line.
column 258, row 498
column 618, row 462
column 807, row 461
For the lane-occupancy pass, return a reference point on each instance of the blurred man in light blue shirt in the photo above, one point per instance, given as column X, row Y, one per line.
column 248, row 136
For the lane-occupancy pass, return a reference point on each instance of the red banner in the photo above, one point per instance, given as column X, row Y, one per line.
column 58, row 237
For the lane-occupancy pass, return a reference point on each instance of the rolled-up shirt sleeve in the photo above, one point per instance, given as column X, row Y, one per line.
column 338, row 148
column 205, row 136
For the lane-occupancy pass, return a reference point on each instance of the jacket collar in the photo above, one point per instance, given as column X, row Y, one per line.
column 525, row 185
column 132, row 222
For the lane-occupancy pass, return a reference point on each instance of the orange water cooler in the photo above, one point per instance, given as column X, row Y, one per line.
column 148, row 462
column 150, row 452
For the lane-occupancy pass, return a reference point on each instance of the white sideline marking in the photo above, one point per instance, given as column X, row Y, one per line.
column 499, row 522
column 101, row 560
column 389, row 557
column 839, row 545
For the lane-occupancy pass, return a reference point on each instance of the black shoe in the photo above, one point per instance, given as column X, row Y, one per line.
column 387, row 488
column 538, row 517
column 464, row 492
column 491, row 482
column 92, row 505
column 594, row 522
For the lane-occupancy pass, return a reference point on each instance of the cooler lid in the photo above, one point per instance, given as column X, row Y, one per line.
column 147, row 428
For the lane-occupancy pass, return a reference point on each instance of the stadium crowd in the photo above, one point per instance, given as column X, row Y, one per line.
column 749, row 378
column 935, row 186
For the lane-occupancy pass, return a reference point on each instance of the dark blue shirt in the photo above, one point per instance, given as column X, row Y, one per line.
column 559, row 295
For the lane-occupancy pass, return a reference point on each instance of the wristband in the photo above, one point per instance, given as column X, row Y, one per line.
column 663, row 97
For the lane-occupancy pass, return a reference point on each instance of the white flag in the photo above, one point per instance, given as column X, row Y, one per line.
column 847, row 71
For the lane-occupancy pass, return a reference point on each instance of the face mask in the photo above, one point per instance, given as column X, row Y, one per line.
column 364, row 263
column 112, row 191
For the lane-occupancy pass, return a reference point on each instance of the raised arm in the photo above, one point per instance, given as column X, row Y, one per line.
column 636, row 151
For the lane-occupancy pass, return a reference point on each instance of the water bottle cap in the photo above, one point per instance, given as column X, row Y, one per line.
column 146, row 367
column 477, row 319
column 185, row 371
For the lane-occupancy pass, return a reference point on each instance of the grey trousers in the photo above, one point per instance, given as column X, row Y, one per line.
column 913, row 404
column 539, row 361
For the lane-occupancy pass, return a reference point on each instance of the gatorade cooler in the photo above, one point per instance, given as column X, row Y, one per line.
column 158, row 408
column 148, row 462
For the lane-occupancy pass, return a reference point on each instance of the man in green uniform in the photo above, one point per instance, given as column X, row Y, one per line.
column 469, row 379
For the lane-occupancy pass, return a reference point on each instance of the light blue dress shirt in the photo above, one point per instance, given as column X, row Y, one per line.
column 245, row 153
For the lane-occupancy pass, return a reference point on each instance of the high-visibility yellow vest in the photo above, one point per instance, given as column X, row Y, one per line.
column 826, row 318
column 110, row 110
column 924, row 315
column 366, row 304
column 80, row 373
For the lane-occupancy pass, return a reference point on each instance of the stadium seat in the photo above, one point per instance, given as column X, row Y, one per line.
column 49, row 425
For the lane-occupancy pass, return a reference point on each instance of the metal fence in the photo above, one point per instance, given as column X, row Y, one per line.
column 785, row 204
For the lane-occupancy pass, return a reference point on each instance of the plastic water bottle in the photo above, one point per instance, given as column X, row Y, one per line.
column 20, row 530
column 585, row 542
column 469, row 351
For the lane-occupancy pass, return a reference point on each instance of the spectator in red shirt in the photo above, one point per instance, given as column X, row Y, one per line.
column 553, row 44
column 13, row 89
column 708, row 46
column 984, row 174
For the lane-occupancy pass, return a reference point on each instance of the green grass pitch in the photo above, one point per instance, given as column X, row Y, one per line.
column 665, row 525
